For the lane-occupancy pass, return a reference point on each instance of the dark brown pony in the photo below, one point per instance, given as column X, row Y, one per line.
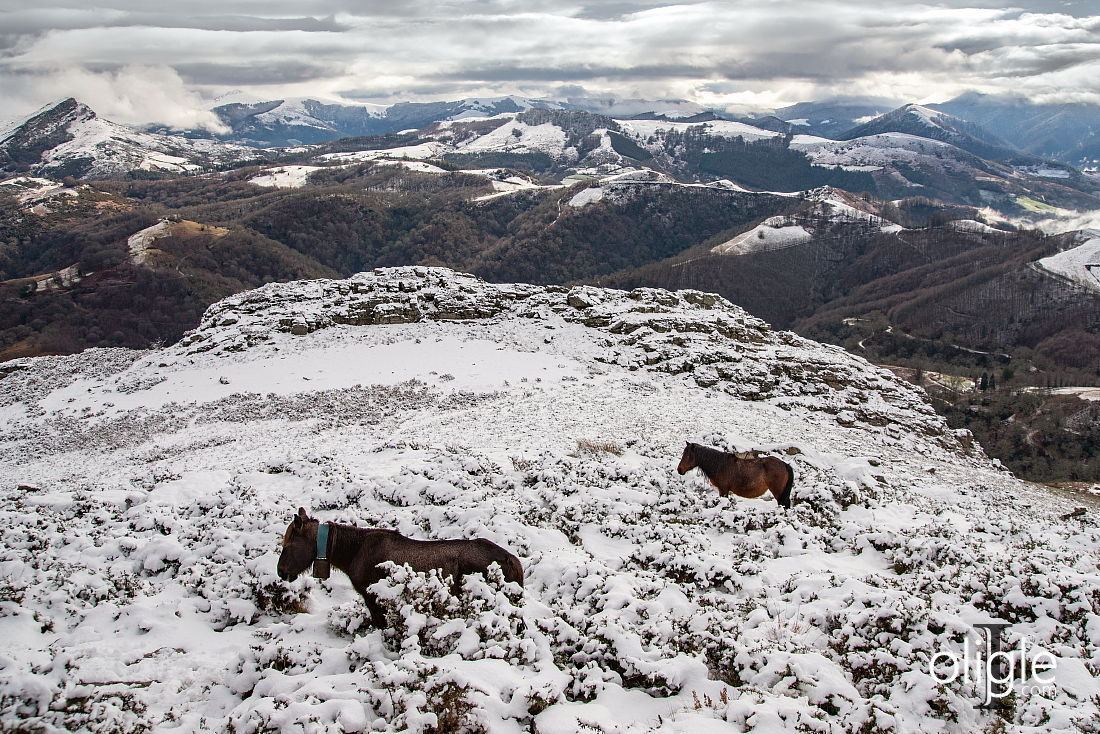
column 358, row 551
column 744, row 475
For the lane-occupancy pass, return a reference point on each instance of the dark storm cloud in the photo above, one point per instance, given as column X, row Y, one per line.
column 509, row 73
column 615, row 10
column 241, row 23
column 717, row 52
column 236, row 75
column 37, row 21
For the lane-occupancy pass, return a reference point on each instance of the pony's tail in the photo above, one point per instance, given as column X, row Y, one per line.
column 785, row 498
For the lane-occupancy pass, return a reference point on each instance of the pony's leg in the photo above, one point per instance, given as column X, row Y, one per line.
column 377, row 616
column 783, row 496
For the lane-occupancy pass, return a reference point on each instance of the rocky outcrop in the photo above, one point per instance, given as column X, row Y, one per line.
column 700, row 336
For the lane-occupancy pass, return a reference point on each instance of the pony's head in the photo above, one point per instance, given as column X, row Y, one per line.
column 299, row 546
column 687, row 461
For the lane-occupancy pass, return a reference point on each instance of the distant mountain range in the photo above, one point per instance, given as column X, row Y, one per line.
column 303, row 121
column 882, row 241
column 1066, row 132
column 909, row 151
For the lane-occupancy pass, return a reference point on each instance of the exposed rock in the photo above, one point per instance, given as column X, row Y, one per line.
column 700, row 335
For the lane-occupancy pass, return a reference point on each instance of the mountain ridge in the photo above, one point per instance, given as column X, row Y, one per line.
column 930, row 123
column 70, row 139
column 562, row 143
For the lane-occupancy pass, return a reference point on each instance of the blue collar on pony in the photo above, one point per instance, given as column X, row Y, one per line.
column 321, row 566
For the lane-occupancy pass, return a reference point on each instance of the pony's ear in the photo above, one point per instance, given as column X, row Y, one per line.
column 301, row 517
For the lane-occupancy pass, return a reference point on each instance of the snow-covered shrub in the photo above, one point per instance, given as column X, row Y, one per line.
column 424, row 616
column 350, row 619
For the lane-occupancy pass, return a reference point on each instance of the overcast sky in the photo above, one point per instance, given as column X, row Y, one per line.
column 143, row 61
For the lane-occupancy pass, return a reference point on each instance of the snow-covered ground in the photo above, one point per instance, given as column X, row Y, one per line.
column 587, row 196
column 1085, row 393
column 780, row 232
column 519, row 137
column 419, row 151
column 1081, row 264
column 719, row 128
column 418, row 166
column 875, row 151
column 39, row 195
column 773, row 233
column 973, row 225
column 143, row 496
column 139, row 243
column 285, row 177
column 1045, row 171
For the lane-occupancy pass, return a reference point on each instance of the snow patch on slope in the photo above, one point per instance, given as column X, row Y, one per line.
column 285, row 177
column 419, row 151
column 418, row 166
column 719, row 128
column 872, row 151
column 1080, row 264
column 519, row 137
column 771, row 234
column 139, row 243
column 588, row 196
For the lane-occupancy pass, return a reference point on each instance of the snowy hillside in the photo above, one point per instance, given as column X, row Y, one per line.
column 790, row 230
column 143, row 496
column 874, row 152
column 926, row 122
column 281, row 122
column 1080, row 264
column 295, row 121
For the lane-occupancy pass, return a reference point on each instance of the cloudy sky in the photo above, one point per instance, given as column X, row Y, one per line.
column 141, row 61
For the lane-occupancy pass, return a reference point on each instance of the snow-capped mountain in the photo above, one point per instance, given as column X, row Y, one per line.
column 271, row 123
column 304, row 121
column 891, row 164
column 138, row 562
column 69, row 139
column 926, row 122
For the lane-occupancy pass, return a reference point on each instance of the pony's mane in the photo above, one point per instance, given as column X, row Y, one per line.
column 350, row 537
column 701, row 450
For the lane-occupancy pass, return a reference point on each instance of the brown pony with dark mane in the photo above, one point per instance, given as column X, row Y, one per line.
column 744, row 475
column 358, row 551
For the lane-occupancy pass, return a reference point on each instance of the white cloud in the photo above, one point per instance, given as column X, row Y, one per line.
column 133, row 94
column 732, row 53
column 1070, row 222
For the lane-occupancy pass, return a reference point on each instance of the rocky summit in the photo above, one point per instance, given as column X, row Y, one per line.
column 144, row 494
column 700, row 336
